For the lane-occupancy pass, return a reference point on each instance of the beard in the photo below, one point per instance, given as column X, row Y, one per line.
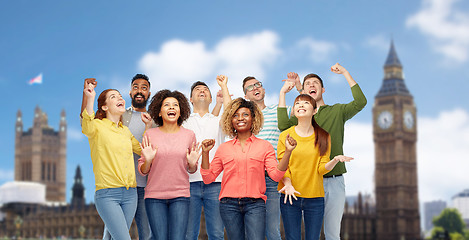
column 136, row 104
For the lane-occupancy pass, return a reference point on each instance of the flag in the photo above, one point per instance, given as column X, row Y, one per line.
column 36, row 80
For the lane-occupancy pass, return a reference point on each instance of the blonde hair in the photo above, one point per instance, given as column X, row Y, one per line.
column 256, row 116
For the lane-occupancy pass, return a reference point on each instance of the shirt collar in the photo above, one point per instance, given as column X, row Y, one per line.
column 208, row 114
column 111, row 123
column 252, row 138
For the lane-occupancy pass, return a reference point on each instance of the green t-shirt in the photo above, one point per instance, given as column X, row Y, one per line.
column 332, row 119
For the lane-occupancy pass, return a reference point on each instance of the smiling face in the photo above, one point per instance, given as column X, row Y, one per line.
column 115, row 104
column 304, row 107
column 170, row 110
column 312, row 86
column 242, row 120
column 201, row 94
column 140, row 93
column 255, row 94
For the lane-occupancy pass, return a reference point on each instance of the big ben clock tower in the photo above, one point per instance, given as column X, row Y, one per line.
column 395, row 138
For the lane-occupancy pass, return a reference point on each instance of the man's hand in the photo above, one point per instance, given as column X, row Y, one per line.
column 337, row 68
column 222, row 80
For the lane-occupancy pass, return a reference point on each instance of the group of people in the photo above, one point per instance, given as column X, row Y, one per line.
column 161, row 166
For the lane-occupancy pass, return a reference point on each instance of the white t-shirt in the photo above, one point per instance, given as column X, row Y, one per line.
column 206, row 127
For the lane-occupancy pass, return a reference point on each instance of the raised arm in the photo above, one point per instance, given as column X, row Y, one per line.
column 207, row 145
column 339, row 69
column 287, row 86
column 88, row 97
column 84, row 100
column 219, row 103
column 222, row 81
column 359, row 99
column 87, row 126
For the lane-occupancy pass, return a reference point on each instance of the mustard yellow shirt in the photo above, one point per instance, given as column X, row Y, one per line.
column 111, row 152
column 306, row 167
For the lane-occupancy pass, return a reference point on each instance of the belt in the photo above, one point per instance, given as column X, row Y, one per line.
column 338, row 175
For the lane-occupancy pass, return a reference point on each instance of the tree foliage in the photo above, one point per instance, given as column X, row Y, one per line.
column 450, row 220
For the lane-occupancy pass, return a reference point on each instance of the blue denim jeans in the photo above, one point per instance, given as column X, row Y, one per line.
column 168, row 217
column 244, row 218
column 272, row 207
column 116, row 207
column 312, row 210
column 205, row 195
column 334, row 189
column 141, row 219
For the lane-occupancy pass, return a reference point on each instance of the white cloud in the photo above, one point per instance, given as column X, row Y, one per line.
column 358, row 143
column 318, row 50
column 180, row 63
column 378, row 41
column 443, row 152
column 75, row 134
column 446, row 25
column 442, row 155
column 6, row 175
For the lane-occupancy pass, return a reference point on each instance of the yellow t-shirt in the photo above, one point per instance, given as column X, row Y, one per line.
column 306, row 167
column 111, row 152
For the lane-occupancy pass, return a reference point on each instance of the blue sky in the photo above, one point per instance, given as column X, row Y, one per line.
column 179, row 43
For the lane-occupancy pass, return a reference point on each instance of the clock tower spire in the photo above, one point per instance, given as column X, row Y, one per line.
column 395, row 138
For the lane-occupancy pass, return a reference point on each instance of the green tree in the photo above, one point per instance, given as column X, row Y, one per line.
column 438, row 233
column 450, row 220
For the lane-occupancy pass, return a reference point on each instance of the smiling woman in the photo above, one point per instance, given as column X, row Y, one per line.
column 244, row 161
column 172, row 156
column 111, row 146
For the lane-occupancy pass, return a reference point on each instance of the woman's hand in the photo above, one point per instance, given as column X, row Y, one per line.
column 290, row 143
column 342, row 158
column 148, row 151
column 89, row 90
column 207, row 145
column 194, row 154
column 289, row 191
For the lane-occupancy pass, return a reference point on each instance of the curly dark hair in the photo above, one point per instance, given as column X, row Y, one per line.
column 233, row 106
column 157, row 101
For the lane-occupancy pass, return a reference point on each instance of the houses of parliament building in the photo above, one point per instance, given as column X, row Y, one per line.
column 392, row 214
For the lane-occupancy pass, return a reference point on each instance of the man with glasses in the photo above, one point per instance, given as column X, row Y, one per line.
column 255, row 92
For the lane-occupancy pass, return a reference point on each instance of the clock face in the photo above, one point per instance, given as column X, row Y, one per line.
column 408, row 120
column 385, row 119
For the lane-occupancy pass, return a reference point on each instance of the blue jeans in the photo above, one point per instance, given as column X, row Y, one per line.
column 272, row 207
column 116, row 207
column 334, row 189
column 205, row 195
column 312, row 210
column 141, row 219
column 244, row 218
column 168, row 217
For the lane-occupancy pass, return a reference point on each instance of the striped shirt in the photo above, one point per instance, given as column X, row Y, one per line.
column 270, row 131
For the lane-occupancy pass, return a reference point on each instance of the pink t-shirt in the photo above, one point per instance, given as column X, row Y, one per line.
column 168, row 177
column 243, row 171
